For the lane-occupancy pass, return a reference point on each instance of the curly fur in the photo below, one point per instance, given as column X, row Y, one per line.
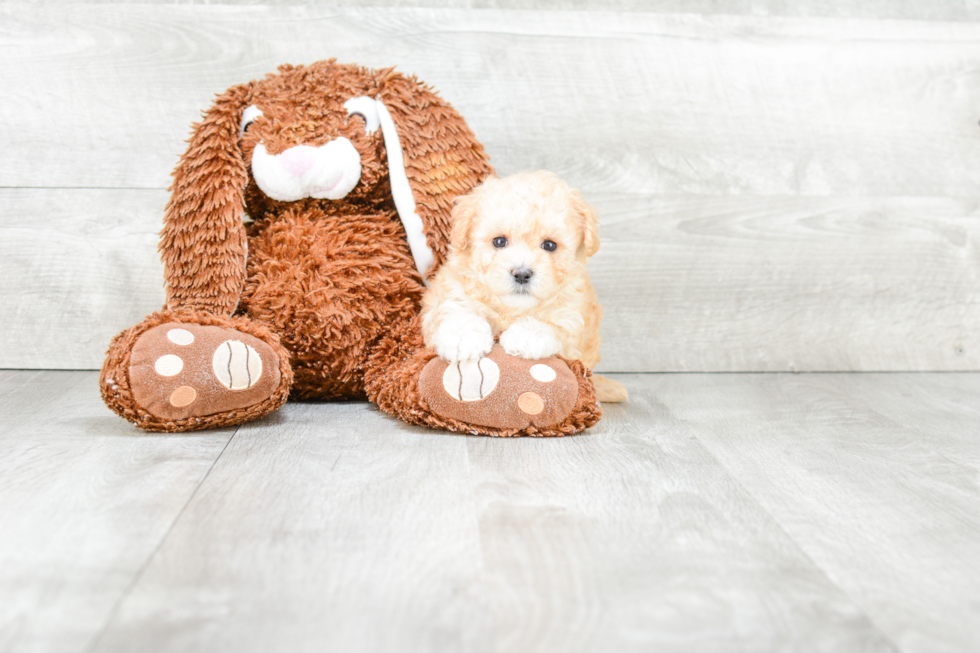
column 475, row 296
column 329, row 284
column 117, row 394
column 477, row 280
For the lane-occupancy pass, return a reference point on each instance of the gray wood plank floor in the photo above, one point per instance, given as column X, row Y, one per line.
column 735, row 512
column 84, row 503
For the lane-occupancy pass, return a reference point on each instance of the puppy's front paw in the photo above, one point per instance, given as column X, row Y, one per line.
column 463, row 339
column 530, row 339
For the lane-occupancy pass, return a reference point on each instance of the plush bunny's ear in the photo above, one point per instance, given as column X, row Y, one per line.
column 588, row 222
column 442, row 158
column 376, row 115
column 203, row 243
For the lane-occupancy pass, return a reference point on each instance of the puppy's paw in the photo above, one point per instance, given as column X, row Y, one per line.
column 531, row 339
column 505, row 393
column 463, row 338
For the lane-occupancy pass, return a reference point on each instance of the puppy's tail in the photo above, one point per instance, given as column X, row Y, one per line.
column 609, row 391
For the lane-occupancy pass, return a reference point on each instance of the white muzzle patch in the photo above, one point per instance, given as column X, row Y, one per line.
column 329, row 171
column 332, row 171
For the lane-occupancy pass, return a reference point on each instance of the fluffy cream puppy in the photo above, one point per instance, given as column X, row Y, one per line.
column 516, row 268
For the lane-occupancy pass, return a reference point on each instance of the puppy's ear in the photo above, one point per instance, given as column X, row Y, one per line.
column 203, row 240
column 587, row 221
column 463, row 216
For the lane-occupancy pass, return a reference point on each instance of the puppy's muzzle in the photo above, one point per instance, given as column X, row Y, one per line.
column 522, row 275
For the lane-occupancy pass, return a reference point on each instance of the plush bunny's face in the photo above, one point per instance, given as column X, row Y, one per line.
column 322, row 145
column 331, row 140
column 328, row 171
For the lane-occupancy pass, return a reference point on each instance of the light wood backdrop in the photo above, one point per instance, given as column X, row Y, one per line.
column 787, row 186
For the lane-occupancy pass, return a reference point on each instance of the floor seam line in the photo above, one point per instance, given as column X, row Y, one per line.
column 149, row 559
column 779, row 525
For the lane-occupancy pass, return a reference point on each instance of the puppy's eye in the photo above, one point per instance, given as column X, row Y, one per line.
column 500, row 242
column 549, row 245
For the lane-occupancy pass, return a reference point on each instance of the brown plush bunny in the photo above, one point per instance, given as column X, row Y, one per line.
column 348, row 175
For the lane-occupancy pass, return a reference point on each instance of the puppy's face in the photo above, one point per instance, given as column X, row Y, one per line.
column 523, row 235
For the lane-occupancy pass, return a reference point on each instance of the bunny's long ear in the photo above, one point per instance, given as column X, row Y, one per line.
column 442, row 158
column 203, row 243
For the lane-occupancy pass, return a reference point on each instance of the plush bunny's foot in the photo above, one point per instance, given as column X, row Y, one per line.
column 501, row 395
column 177, row 375
column 187, row 370
column 501, row 391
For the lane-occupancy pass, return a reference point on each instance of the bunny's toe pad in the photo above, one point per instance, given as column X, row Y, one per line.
column 189, row 370
column 500, row 391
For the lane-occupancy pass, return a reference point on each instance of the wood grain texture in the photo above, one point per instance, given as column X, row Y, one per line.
column 788, row 283
column 76, row 268
column 687, row 283
column 85, row 500
column 875, row 476
column 332, row 527
column 616, row 102
column 633, row 538
column 875, row 9
column 778, row 192
column 829, row 512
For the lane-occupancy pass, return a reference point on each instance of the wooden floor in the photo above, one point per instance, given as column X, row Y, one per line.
column 783, row 185
column 715, row 512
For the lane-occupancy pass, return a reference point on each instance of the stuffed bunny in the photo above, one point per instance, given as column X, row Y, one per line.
column 305, row 215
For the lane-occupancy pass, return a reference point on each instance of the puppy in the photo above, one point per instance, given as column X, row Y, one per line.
column 516, row 268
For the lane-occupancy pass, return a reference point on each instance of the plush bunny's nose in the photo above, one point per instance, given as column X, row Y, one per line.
column 297, row 160
column 327, row 172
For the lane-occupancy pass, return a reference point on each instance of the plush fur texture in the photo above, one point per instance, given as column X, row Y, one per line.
column 330, row 285
column 117, row 392
column 517, row 270
column 388, row 388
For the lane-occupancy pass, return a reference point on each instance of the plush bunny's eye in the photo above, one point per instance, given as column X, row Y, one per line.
column 500, row 242
column 549, row 245
column 249, row 116
column 367, row 109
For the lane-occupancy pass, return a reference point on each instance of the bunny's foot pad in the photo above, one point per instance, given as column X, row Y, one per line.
column 180, row 370
column 501, row 391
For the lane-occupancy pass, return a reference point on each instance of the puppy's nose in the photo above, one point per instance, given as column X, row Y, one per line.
column 522, row 275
